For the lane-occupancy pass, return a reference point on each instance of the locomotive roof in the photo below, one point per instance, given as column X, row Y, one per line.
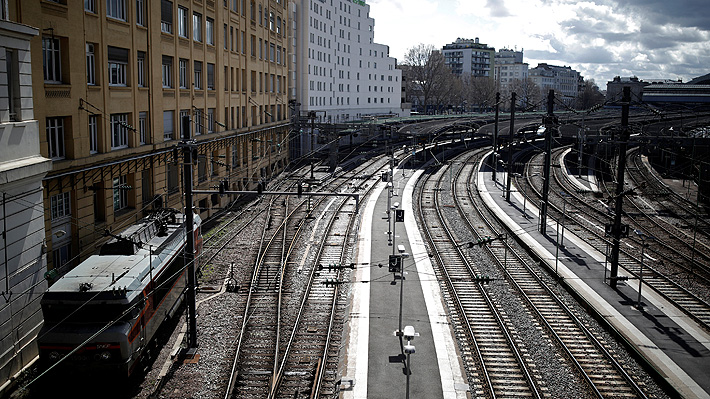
column 116, row 276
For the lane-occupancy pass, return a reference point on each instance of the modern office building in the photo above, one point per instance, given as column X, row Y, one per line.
column 339, row 72
column 22, row 168
column 112, row 80
column 471, row 57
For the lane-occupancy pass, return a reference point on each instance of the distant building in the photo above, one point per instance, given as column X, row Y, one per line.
column 470, row 57
column 564, row 80
column 509, row 67
column 338, row 70
column 22, row 169
column 614, row 88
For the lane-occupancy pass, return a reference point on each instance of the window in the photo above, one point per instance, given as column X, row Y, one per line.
column 209, row 31
column 210, row 120
column 167, row 71
column 182, row 73
column 197, row 27
column 120, row 193
column 260, row 14
column 117, row 62
column 90, row 6
column 140, row 68
column 143, row 127
column 61, row 256
column 225, row 37
column 183, row 113
column 52, row 60
column 60, row 205
column 55, row 138
column 140, row 12
column 93, row 134
column 90, row 64
column 271, row 21
column 173, row 178
column 116, row 9
column 198, row 75
column 168, row 125
column 199, row 118
column 166, row 16
column 182, row 21
column 119, row 131
column 278, row 25
column 12, row 66
column 210, row 76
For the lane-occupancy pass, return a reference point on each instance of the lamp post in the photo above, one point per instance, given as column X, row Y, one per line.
column 643, row 238
column 409, row 335
column 562, row 240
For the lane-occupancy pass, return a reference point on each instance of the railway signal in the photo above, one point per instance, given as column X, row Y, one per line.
column 395, row 263
column 481, row 279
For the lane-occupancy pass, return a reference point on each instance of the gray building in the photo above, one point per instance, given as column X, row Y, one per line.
column 471, row 57
column 564, row 80
column 509, row 67
column 21, row 209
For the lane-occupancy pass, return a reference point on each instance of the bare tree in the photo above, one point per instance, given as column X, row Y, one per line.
column 528, row 94
column 480, row 91
column 589, row 95
column 427, row 73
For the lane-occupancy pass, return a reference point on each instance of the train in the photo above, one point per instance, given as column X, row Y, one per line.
column 100, row 317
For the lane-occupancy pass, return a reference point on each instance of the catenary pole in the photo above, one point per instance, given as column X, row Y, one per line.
column 189, row 232
column 616, row 229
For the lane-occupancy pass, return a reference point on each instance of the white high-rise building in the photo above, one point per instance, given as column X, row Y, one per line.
column 338, row 70
column 509, row 68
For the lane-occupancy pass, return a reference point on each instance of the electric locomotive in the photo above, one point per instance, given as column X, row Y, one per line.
column 100, row 317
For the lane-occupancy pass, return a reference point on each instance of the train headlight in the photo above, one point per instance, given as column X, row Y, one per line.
column 105, row 355
column 54, row 356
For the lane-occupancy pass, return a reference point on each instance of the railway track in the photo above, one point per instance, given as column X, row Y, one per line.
column 592, row 361
column 289, row 340
column 496, row 365
column 587, row 216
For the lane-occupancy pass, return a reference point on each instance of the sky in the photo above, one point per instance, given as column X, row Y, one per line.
column 601, row 39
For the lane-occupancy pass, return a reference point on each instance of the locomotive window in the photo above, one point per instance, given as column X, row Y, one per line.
column 91, row 313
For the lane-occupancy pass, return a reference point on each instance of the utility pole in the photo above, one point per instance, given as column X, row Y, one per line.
column 616, row 227
column 511, row 135
column 549, row 121
column 495, row 138
column 187, row 148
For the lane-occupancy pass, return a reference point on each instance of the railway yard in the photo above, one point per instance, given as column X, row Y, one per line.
column 298, row 295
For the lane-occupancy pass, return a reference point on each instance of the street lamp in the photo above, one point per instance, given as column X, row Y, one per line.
column 409, row 335
column 562, row 240
column 643, row 238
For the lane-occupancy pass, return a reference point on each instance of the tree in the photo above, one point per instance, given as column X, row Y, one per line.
column 589, row 95
column 479, row 91
column 528, row 94
column 427, row 74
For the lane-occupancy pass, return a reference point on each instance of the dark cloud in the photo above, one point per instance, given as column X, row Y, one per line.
column 687, row 13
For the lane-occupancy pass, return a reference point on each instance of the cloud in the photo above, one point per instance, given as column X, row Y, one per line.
column 599, row 38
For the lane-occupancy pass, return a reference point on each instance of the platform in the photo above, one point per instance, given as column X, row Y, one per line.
column 376, row 364
column 673, row 343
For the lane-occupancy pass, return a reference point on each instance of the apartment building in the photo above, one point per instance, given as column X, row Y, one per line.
column 470, row 57
column 509, row 68
column 564, row 80
column 112, row 81
column 338, row 70
column 22, row 168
